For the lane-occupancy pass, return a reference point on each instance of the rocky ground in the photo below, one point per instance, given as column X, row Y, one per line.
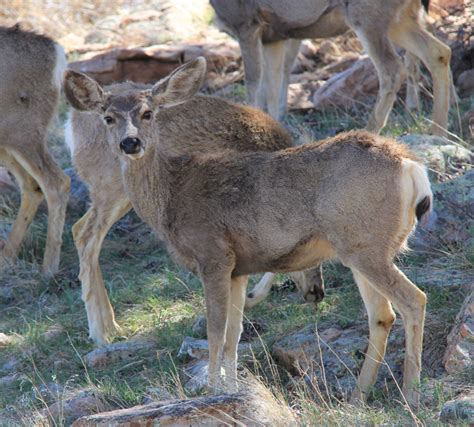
column 298, row 362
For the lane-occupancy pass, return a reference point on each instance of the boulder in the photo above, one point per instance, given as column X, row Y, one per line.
column 452, row 219
column 460, row 351
column 465, row 83
column 199, row 327
column 147, row 65
column 332, row 356
column 83, row 403
column 117, row 352
column 441, row 156
column 196, row 351
column 349, row 87
column 459, row 410
column 300, row 94
column 196, row 375
column 193, row 348
column 253, row 406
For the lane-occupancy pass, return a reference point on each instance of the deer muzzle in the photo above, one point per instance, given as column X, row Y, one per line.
column 131, row 146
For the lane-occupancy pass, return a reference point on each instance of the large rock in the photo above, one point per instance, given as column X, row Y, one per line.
column 117, row 352
column 254, row 406
column 465, row 83
column 147, row 65
column 300, row 94
column 332, row 356
column 459, row 410
column 193, row 348
column 195, row 375
column 349, row 87
column 69, row 409
column 196, row 351
column 460, row 351
column 443, row 157
column 452, row 219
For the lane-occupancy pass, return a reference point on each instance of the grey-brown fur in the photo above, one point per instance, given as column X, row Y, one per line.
column 204, row 124
column 29, row 89
column 226, row 215
column 269, row 31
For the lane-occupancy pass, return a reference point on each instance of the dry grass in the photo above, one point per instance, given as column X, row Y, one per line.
column 58, row 18
column 89, row 25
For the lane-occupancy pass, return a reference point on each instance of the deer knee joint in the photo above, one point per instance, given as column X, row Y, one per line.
column 387, row 321
column 445, row 55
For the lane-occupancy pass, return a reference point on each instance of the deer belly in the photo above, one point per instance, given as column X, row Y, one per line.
column 302, row 256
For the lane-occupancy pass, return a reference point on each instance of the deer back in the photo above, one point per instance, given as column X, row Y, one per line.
column 203, row 124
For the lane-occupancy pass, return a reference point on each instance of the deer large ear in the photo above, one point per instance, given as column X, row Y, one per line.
column 181, row 85
column 82, row 92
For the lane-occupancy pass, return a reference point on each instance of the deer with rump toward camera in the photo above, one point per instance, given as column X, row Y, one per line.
column 356, row 197
column 31, row 71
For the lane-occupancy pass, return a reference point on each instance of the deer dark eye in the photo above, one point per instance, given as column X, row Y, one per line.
column 147, row 115
column 109, row 120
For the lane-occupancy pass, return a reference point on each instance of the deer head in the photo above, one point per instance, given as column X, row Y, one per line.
column 130, row 117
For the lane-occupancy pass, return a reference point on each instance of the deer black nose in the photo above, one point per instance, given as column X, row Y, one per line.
column 130, row 145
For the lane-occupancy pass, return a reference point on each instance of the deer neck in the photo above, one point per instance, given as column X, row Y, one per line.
column 151, row 184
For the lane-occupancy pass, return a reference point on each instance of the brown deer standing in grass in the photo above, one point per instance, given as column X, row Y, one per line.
column 31, row 70
column 225, row 215
column 216, row 125
column 269, row 34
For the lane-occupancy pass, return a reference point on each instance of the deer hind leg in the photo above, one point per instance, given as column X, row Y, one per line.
column 390, row 71
column 89, row 233
column 31, row 197
column 392, row 284
column 261, row 290
column 381, row 317
column 412, row 66
column 273, row 77
column 436, row 56
column 54, row 184
column 238, row 289
column 291, row 50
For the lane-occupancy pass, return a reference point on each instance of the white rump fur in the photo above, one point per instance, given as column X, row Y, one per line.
column 419, row 176
column 414, row 187
column 59, row 67
column 69, row 134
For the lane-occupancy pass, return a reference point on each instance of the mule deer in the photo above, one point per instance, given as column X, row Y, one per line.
column 216, row 125
column 225, row 215
column 31, row 72
column 269, row 32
